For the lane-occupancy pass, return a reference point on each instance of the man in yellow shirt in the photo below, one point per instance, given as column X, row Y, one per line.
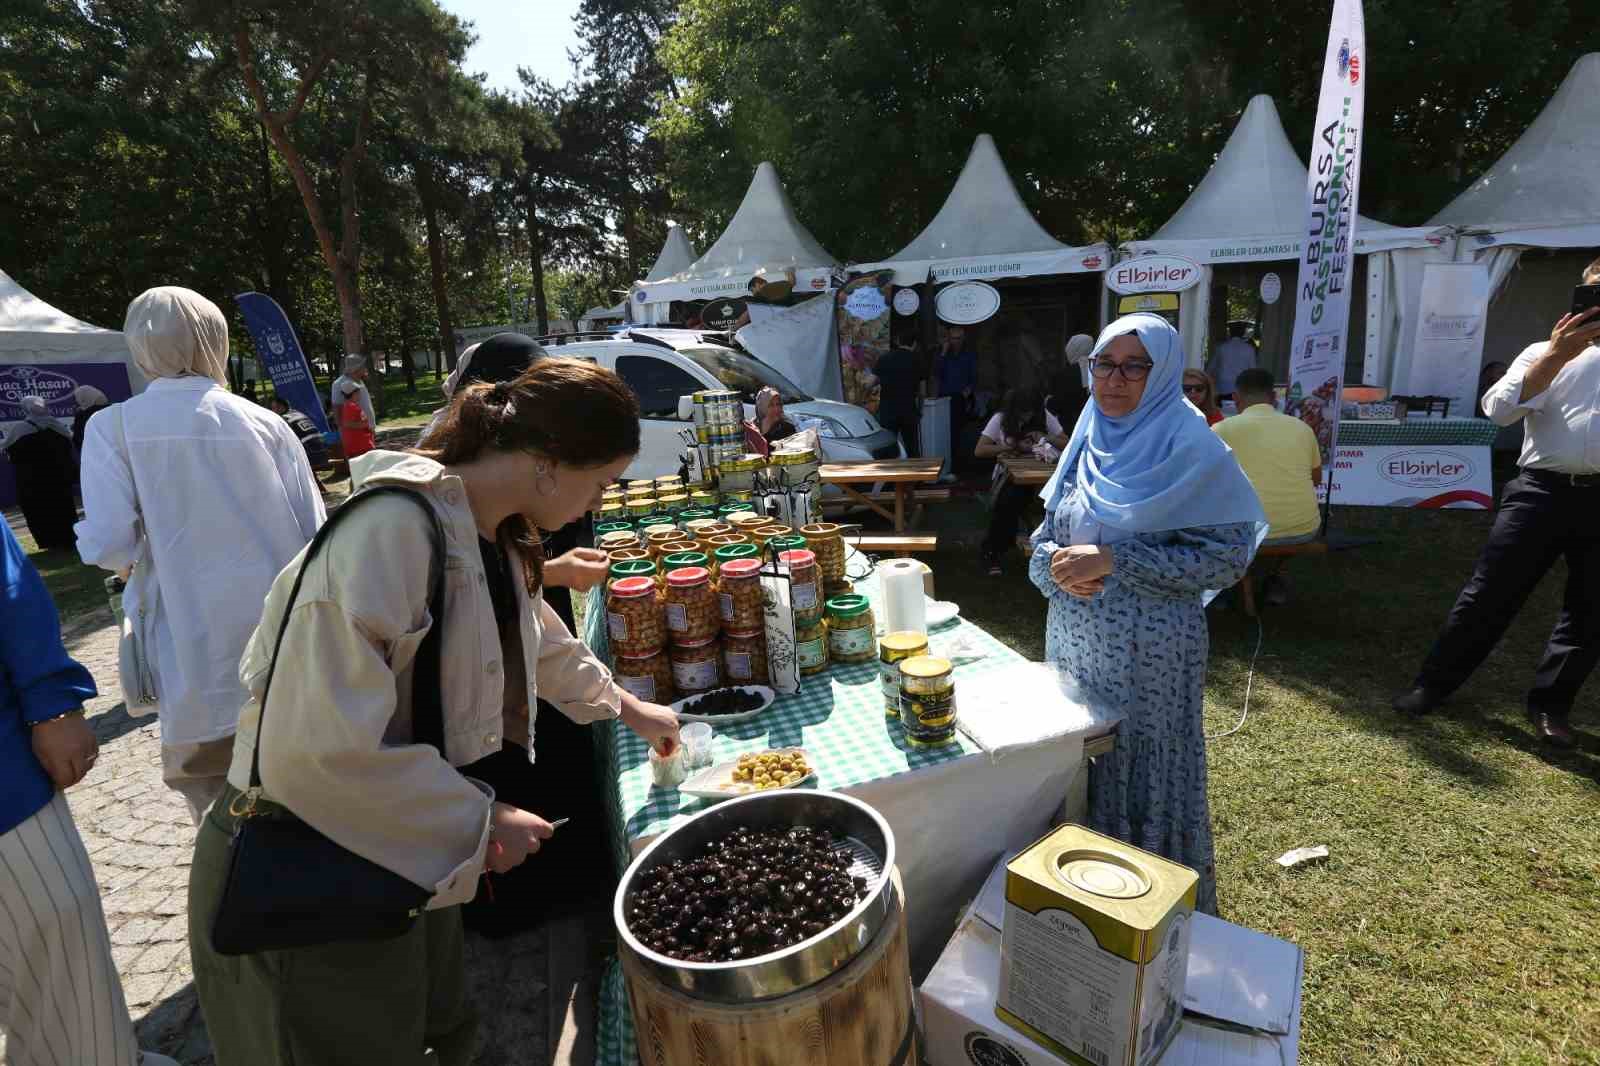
column 1279, row 455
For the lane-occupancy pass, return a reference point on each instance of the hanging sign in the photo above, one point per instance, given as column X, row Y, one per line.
column 1333, row 193
column 722, row 314
column 966, row 303
column 1153, row 273
column 1453, row 308
column 906, row 302
column 866, row 302
column 1271, row 288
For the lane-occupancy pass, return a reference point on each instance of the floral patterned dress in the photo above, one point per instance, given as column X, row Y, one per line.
column 1141, row 644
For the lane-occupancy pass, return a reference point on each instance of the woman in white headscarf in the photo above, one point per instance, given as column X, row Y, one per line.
column 1147, row 511
column 204, row 496
column 89, row 400
column 40, row 450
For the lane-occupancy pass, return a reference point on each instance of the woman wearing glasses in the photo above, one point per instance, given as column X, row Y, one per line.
column 1147, row 511
column 1199, row 390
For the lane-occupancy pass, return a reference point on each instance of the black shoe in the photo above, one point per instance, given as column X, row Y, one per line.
column 1552, row 729
column 1419, row 701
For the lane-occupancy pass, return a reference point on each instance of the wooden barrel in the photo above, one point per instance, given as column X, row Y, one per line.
column 859, row 1016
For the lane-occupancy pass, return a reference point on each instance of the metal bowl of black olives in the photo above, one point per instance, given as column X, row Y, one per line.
column 759, row 896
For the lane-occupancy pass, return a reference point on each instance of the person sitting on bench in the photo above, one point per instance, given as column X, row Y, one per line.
column 1280, row 456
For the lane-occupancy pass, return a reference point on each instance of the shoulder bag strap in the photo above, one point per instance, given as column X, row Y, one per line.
column 427, row 714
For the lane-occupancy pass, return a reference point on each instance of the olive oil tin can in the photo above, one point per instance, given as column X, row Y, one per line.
column 1095, row 947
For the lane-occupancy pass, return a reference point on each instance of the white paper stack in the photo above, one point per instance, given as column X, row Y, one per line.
column 1023, row 704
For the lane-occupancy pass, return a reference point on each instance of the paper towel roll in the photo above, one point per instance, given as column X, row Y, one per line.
column 904, row 604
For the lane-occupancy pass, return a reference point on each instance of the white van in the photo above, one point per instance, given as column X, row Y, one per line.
column 660, row 365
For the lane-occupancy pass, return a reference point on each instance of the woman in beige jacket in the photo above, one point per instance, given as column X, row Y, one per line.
column 336, row 748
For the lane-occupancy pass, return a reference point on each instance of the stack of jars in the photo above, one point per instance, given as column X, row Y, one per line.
column 636, row 624
column 742, row 616
column 826, row 541
column 694, row 622
column 805, row 596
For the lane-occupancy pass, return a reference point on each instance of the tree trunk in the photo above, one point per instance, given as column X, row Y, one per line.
column 427, row 192
column 536, row 263
column 407, row 365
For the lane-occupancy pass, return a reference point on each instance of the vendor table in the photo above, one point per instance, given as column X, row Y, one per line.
column 953, row 810
column 901, row 473
column 1026, row 471
column 1418, row 462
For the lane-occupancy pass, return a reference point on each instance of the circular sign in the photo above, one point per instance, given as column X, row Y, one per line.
column 1271, row 288
column 1153, row 273
column 722, row 314
column 906, row 302
column 984, row 1050
column 866, row 303
column 966, row 302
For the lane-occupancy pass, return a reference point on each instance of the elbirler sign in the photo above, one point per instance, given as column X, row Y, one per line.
column 1153, row 273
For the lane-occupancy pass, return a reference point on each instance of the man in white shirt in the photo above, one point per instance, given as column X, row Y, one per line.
column 1230, row 359
column 352, row 383
column 1551, row 510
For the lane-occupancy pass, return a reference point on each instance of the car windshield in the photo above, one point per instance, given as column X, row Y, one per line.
column 744, row 373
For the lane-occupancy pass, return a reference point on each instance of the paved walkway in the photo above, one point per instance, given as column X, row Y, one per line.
column 535, row 992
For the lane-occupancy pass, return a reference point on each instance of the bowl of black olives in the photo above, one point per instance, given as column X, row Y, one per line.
column 759, row 896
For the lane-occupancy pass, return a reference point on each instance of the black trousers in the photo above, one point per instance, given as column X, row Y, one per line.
column 1542, row 517
column 909, row 430
column 1008, row 507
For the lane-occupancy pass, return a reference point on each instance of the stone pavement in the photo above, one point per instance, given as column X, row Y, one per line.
column 535, row 992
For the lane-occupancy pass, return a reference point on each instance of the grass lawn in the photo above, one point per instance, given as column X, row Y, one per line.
column 1458, row 917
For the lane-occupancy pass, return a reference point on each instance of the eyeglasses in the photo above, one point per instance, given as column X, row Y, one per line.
column 1132, row 370
column 1194, row 388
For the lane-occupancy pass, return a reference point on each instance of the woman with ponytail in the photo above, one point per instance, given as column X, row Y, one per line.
column 338, row 748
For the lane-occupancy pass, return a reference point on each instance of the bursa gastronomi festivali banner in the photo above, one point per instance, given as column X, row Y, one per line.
column 280, row 354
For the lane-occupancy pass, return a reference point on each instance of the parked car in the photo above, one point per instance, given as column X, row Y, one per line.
column 660, row 365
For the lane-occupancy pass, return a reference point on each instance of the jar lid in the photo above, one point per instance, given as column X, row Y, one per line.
column 736, row 551
column 659, row 529
column 734, row 634
column 626, row 568
column 739, row 515
column 789, row 543
column 847, row 606
column 602, row 528
column 740, row 567
column 684, row 645
column 793, row 458
column 925, row 666
column 818, row 530
column 905, row 640
column 620, row 538
column 696, row 513
column 679, row 560
column 621, row 658
column 629, row 587
column 688, row 576
column 798, row 558
column 676, row 499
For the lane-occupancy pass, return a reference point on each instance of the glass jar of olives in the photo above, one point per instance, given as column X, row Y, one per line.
column 634, row 620
column 649, row 677
column 744, row 657
column 850, row 630
column 696, row 666
column 805, row 592
column 739, row 595
column 692, row 610
column 811, row 646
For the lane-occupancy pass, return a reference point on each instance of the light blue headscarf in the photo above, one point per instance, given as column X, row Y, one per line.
column 1159, row 467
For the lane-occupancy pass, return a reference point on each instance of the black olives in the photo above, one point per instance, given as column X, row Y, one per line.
column 752, row 892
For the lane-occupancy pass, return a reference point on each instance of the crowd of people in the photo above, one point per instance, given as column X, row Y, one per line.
column 427, row 697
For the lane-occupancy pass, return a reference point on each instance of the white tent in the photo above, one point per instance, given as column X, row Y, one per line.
column 985, row 231
column 1543, row 194
column 764, row 237
column 1250, row 208
column 677, row 254
column 601, row 317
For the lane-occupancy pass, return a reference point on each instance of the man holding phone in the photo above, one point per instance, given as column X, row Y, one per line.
column 1549, row 511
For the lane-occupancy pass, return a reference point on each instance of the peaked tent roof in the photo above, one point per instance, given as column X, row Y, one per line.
column 1547, row 185
column 1250, row 206
column 984, row 218
column 764, row 236
column 676, row 254
column 32, row 331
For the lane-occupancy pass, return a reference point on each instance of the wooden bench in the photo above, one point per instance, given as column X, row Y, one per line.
column 894, row 543
column 1282, row 552
column 920, row 496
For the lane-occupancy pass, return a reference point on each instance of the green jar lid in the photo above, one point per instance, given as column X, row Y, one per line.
column 679, row 560
column 847, row 606
column 657, row 518
column 633, row 568
column 733, row 508
column 603, row 528
column 785, row 544
column 696, row 512
column 729, row 552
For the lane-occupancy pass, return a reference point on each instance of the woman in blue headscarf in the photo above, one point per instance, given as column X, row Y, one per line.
column 1147, row 511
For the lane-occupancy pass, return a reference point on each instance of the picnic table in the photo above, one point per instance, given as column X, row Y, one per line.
column 1026, row 471
column 903, row 474
column 953, row 809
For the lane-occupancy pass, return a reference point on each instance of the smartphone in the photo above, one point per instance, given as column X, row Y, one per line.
column 1585, row 297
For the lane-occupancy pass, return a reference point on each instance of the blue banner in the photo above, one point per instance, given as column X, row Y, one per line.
column 278, row 350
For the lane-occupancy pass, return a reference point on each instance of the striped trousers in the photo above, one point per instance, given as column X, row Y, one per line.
column 60, row 997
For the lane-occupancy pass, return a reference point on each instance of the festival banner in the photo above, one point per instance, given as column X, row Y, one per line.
column 1448, row 350
column 1327, row 263
column 278, row 350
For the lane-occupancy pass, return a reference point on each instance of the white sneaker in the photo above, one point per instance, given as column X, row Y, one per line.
column 150, row 1058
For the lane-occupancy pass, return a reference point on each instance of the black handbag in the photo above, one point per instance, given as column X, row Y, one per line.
column 287, row 885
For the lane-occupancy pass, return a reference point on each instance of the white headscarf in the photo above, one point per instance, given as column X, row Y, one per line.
column 35, row 417
column 175, row 332
column 87, row 396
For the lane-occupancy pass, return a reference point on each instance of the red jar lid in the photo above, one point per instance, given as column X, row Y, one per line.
column 629, row 587
column 687, row 576
column 798, row 559
column 740, row 568
column 750, row 635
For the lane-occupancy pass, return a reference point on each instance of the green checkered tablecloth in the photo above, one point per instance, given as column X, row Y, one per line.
column 837, row 717
column 1462, row 432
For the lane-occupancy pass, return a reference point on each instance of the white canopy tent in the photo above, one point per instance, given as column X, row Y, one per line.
column 1543, row 194
column 1250, row 208
column 984, row 232
column 677, row 255
column 764, row 237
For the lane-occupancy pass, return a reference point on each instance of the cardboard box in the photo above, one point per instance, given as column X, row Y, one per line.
column 1095, row 947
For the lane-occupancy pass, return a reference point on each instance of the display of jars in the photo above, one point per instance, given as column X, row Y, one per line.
column 804, row 590
column 894, row 649
column 691, row 605
column 928, row 701
column 684, row 560
column 811, row 646
column 696, row 666
column 744, row 657
column 850, row 630
column 739, row 599
column 634, row 619
column 649, row 677
column 826, row 540
column 727, row 553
